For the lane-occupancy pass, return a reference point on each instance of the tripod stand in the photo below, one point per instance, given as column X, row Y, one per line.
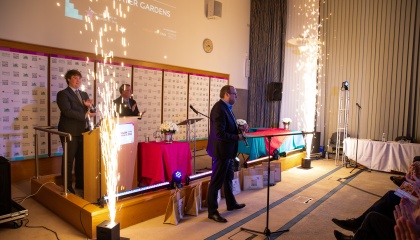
column 267, row 231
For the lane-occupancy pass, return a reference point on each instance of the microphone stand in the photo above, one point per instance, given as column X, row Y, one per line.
column 198, row 112
column 195, row 140
column 267, row 231
column 358, row 130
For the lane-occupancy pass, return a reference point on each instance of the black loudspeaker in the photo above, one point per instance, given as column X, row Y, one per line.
column 316, row 140
column 274, row 90
column 5, row 187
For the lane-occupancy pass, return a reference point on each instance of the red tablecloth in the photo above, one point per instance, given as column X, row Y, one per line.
column 276, row 141
column 158, row 160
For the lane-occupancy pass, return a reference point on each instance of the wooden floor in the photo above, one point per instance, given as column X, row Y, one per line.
column 85, row 216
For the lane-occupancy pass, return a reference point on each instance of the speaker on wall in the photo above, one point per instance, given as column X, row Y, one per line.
column 214, row 9
column 5, row 187
column 274, row 90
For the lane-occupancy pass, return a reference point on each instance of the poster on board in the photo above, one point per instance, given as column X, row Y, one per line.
column 24, row 103
column 175, row 92
column 147, row 91
column 199, row 90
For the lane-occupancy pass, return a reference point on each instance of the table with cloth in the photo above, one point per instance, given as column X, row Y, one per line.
column 258, row 145
column 157, row 161
column 383, row 156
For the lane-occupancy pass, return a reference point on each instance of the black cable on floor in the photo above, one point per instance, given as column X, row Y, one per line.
column 21, row 199
column 26, row 225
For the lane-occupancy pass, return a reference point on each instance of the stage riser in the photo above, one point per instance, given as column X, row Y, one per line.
column 131, row 210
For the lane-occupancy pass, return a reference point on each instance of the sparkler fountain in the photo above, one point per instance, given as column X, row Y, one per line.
column 310, row 53
column 106, row 88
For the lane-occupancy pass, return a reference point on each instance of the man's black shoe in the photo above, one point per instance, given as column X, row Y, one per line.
column 236, row 206
column 340, row 236
column 70, row 189
column 216, row 217
column 349, row 224
column 398, row 180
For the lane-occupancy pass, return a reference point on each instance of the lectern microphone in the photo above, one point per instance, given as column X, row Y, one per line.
column 194, row 110
column 92, row 109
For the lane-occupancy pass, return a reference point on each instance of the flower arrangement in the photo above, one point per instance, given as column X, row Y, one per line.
column 243, row 126
column 286, row 120
column 168, row 127
column 286, row 123
column 240, row 122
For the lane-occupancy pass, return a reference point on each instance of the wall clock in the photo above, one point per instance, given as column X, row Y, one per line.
column 207, row 45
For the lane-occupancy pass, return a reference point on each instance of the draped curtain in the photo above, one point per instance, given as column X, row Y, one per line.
column 267, row 43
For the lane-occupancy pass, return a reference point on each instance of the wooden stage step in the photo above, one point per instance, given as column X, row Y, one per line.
column 85, row 216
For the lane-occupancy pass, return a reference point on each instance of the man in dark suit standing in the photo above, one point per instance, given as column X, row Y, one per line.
column 125, row 105
column 222, row 147
column 75, row 107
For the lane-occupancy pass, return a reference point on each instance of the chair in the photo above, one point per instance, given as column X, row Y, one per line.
column 333, row 147
column 404, row 139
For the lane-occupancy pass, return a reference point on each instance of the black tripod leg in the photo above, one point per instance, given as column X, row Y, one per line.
column 267, row 231
column 280, row 231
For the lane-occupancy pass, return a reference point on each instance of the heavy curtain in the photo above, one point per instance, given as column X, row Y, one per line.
column 266, row 54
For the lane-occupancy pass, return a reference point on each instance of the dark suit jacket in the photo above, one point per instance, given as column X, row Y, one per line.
column 223, row 137
column 125, row 110
column 72, row 112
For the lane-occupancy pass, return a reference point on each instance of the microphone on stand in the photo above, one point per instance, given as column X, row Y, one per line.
column 194, row 110
column 239, row 123
column 96, row 126
column 243, row 136
column 92, row 108
column 358, row 105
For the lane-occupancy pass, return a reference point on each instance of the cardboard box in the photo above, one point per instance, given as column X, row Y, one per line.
column 236, row 185
column 252, row 178
column 276, row 166
column 265, row 174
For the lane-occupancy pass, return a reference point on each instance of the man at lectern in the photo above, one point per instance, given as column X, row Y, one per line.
column 75, row 111
column 125, row 105
column 222, row 146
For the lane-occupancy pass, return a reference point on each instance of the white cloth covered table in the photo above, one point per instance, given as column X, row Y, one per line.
column 382, row 156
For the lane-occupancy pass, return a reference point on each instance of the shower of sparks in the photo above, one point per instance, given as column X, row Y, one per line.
column 109, row 138
column 310, row 53
column 103, row 23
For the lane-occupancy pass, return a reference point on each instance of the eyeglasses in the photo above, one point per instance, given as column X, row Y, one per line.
column 232, row 93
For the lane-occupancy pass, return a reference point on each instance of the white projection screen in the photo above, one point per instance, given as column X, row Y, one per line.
column 146, row 23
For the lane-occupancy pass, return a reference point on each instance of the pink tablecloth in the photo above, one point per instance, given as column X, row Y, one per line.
column 157, row 161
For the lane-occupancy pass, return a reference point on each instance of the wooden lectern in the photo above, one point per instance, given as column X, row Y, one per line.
column 94, row 169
